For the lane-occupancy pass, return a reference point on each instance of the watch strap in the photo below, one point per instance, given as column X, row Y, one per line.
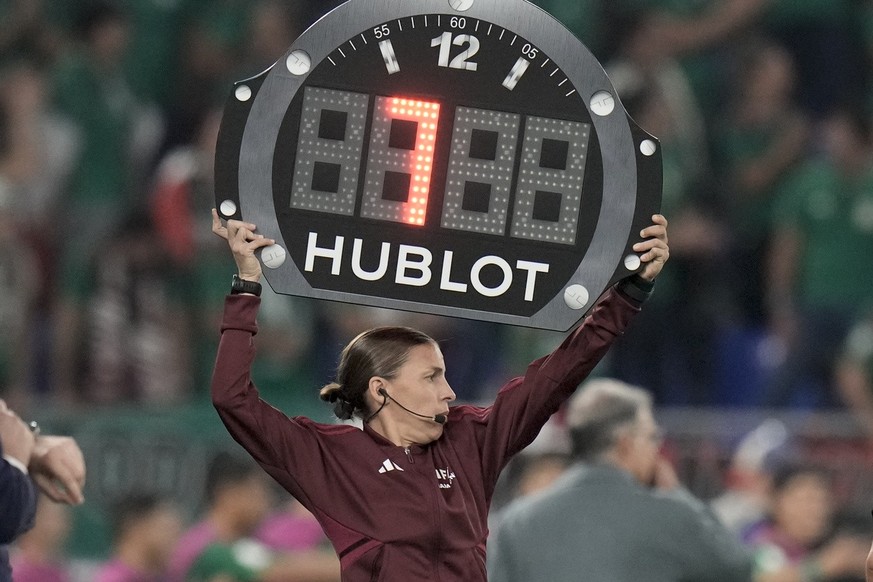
column 239, row 285
column 636, row 288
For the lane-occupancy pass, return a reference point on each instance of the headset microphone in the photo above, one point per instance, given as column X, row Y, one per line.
column 437, row 418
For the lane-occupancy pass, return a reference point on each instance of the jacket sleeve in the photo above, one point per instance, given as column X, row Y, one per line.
column 17, row 501
column 286, row 448
column 524, row 405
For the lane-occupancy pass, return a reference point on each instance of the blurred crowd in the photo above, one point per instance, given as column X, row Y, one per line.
column 244, row 532
column 108, row 119
column 785, row 512
column 112, row 281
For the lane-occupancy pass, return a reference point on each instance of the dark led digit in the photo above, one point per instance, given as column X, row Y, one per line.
column 550, row 179
column 330, row 143
column 400, row 159
column 480, row 170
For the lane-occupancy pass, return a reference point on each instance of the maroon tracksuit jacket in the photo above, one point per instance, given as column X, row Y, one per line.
column 400, row 514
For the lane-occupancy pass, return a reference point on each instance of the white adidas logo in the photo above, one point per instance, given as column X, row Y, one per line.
column 389, row 465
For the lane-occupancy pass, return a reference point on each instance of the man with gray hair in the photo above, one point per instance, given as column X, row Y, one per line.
column 619, row 514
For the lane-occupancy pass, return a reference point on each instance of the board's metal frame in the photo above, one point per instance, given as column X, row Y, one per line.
column 617, row 143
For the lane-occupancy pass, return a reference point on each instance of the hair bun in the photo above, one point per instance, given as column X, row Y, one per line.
column 331, row 393
column 342, row 405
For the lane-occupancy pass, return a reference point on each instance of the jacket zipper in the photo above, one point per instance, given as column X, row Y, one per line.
column 434, row 497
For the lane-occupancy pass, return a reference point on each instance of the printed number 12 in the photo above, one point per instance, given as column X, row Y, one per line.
column 461, row 61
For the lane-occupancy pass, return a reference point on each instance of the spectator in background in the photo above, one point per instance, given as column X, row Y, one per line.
column 136, row 333
column 145, row 530
column 819, row 270
column 794, row 543
column 237, row 499
column 221, row 546
column 747, row 480
column 119, row 138
column 36, row 155
column 621, row 500
column 39, row 554
column 40, row 149
column 762, row 138
column 181, row 195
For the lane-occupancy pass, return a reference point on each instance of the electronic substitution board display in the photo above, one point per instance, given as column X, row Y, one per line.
column 466, row 158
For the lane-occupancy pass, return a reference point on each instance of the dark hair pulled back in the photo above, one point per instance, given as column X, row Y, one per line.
column 380, row 351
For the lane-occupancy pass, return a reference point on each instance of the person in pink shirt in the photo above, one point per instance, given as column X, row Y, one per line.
column 224, row 545
column 292, row 529
column 237, row 499
column 145, row 529
column 38, row 554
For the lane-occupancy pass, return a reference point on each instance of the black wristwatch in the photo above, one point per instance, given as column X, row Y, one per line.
column 238, row 286
column 636, row 287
